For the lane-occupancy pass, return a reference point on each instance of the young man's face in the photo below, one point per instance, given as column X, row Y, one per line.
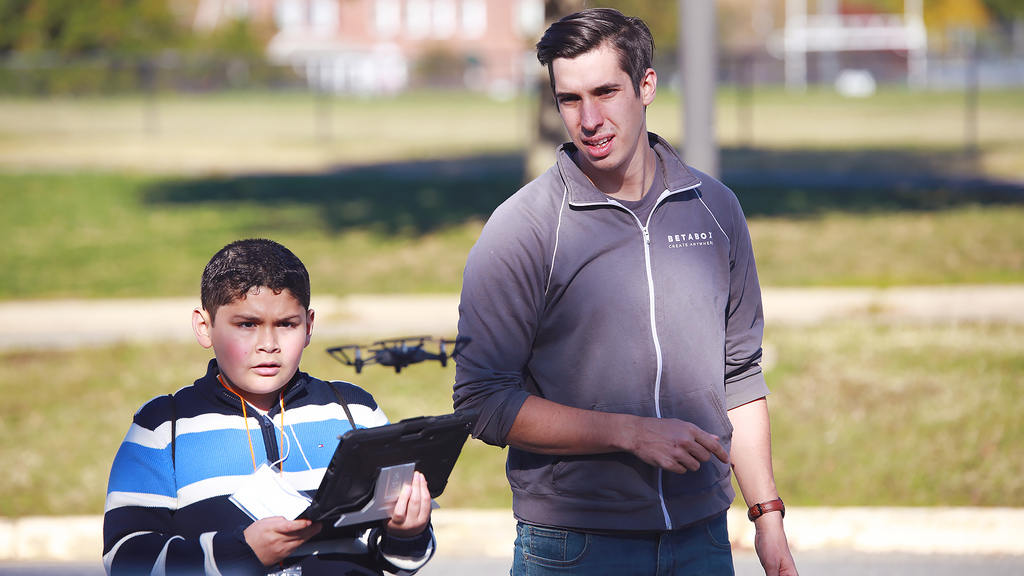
column 258, row 341
column 602, row 112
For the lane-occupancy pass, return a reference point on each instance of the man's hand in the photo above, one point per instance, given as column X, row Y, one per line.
column 752, row 464
column 545, row 427
column 412, row 511
column 772, row 547
column 674, row 445
column 273, row 539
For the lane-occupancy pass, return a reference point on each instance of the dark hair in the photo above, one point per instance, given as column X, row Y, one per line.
column 246, row 264
column 579, row 33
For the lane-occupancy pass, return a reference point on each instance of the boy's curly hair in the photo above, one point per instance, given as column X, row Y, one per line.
column 254, row 263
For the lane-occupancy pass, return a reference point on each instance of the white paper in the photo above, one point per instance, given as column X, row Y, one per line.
column 265, row 494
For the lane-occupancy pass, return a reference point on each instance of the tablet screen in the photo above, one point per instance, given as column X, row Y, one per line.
column 431, row 443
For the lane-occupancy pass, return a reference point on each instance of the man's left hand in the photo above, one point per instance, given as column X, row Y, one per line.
column 772, row 547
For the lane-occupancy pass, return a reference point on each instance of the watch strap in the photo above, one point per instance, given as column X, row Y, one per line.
column 758, row 510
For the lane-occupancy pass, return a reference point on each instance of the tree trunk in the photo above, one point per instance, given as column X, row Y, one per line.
column 548, row 131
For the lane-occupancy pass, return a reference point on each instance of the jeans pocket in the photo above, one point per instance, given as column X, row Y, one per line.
column 554, row 548
column 718, row 533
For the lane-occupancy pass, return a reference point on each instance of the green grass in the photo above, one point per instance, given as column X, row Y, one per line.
column 288, row 132
column 251, row 132
column 104, row 235
column 388, row 195
column 968, row 245
column 391, row 197
column 110, row 235
column 66, row 412
column 862, row 415
column 899, row 415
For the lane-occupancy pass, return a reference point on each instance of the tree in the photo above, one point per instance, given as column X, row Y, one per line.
column 548, row 131
column 72, row 28
column 1006, row 9
column 660, row 16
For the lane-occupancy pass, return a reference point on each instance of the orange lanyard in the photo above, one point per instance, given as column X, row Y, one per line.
column 245, row 418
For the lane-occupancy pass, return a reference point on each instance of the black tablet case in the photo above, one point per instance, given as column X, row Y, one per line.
column 433, row 443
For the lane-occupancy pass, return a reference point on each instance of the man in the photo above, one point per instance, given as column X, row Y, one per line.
column 613, row 322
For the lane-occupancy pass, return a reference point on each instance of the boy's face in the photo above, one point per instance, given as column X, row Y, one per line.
column 602, row 112
column 258, row 341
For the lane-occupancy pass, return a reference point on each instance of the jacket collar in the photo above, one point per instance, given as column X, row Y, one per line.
column 678, row 176
column 209, row 384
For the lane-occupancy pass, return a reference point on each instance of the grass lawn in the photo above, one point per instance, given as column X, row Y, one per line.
column 898, row 415
column 113, row 235
column 69, row 410
column 101, row 199
column 388, row 195
column 106, row 235
column 250, row 132
column 862, row 415
column 230, row 133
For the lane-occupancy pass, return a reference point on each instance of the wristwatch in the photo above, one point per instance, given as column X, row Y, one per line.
column 758, row 510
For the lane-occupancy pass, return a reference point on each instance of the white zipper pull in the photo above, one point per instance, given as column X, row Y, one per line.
column 647, row 236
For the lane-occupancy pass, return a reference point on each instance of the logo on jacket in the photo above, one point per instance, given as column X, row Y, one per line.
column 690, row 240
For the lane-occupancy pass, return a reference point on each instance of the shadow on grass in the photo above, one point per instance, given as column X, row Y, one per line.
column 807, row 182
column 410, row 198
column 418, row 197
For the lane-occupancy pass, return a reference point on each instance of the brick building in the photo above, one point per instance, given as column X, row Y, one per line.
column 385, row 46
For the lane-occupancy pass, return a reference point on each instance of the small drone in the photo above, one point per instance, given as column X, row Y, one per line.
column 395, row 352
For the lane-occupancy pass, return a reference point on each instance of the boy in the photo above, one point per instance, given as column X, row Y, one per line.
column 168, row 509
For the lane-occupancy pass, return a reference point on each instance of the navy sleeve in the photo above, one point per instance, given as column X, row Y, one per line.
column 139, row 536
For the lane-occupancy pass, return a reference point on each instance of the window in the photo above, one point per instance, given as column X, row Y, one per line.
column 417, row 18
column 387, row 18
column 324, row 15
column 474, row 18
column 443, row 19
column 531, row 17
column 290, row 14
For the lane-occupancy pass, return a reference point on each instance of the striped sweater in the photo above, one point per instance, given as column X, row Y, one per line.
column 167, row 508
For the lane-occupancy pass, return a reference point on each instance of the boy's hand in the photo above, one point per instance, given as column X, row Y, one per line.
column 412, row 511
column 273, row 539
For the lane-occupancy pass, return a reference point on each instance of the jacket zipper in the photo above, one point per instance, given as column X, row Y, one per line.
column 660, row 365
column 266, row 429
column 270, row 440
column 657, row 344
column 645, row 231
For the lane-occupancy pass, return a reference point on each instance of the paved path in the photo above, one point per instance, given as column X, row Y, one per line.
column 67, row 323
column 830, row 563
column 70, row 323
column 467, row 536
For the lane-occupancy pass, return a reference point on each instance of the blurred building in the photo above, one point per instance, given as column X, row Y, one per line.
column 374, row 47
column 385, row 46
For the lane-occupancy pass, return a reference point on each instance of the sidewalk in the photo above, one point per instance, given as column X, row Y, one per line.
column 490, row 533
column 71, row 323
column 68, row 323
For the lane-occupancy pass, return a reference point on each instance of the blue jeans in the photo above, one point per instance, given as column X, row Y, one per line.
column 699, row 550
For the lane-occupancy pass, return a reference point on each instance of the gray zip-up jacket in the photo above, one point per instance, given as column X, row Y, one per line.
column 569, row 296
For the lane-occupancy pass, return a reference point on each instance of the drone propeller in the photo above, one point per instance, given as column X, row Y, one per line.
column 444, row 353
column 359, row 360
